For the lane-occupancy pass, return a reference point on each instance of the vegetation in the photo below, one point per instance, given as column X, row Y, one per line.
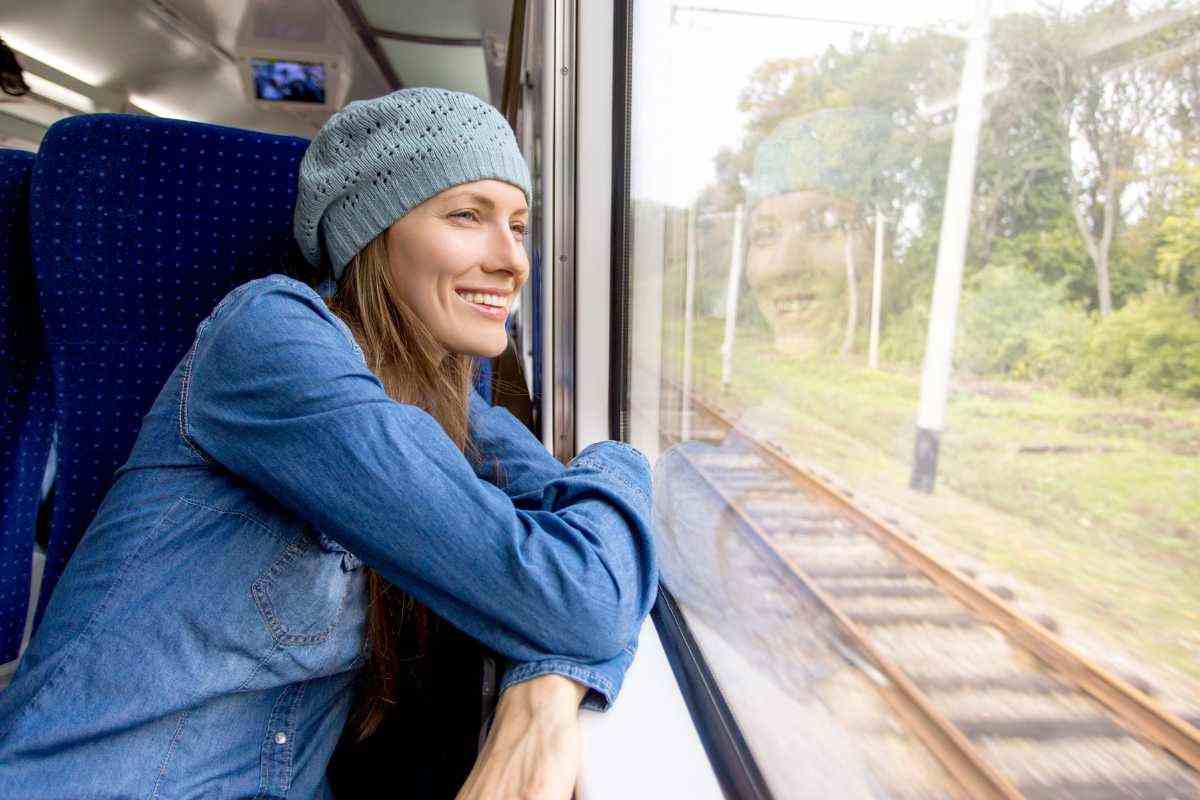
column 1071, row 458
column 1086, row 216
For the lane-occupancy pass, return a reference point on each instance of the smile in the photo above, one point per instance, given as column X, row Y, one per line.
column 493, row 306
column 793, row 302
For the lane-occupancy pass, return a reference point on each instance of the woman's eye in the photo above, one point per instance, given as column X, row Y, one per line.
column 519, row 230
column 471, row 215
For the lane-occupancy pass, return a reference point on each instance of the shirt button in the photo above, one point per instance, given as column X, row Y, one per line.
column 281, row 738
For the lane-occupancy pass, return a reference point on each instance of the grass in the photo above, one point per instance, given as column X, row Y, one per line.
column 1106, row 532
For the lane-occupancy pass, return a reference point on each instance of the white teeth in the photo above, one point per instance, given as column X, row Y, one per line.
column 484, row 299
column 793, row 304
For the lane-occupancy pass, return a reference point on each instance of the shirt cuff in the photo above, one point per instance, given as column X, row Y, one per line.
column 603, row 680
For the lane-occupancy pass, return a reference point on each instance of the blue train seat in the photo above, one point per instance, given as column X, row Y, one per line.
column 483, row 378
column 138, row 227
column 25, row 413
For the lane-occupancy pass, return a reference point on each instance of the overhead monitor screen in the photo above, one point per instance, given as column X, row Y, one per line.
column 288, row 81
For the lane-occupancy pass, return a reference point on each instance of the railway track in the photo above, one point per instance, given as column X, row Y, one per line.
column 1015, row 715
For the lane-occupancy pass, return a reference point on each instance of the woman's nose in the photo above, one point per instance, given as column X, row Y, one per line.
column 508, row 254
column 802, row 252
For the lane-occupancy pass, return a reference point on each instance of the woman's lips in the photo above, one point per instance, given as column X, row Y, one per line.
column 794, row 303
column 491, row 312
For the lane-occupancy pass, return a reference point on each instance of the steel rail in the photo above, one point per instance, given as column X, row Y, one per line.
column 978, row 778
column 1140, row 714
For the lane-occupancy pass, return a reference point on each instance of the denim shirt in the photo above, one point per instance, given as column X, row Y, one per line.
column 206, row 634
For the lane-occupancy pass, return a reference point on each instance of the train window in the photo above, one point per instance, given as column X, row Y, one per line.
column 914, row 316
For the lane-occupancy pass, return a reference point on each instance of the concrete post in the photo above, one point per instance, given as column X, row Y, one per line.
column 952, row 248
column 731, row 299
column 876, row 290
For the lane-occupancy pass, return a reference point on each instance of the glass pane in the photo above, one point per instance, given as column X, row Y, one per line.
column 918, row 289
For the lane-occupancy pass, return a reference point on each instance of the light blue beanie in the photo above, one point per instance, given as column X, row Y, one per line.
column 839, row 150
column 374, row 160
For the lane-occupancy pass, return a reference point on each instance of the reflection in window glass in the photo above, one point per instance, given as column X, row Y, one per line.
column 791, row 218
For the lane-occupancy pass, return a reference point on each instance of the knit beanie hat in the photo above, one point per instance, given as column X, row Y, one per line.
column 838, row 150
column 374, row 160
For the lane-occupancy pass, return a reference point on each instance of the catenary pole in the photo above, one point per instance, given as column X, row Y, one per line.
column 952, row 248
column 689, row 310
column 731, row 299
column 876, row 290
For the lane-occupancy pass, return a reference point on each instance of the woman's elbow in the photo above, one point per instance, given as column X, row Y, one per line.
column 591, row 624
column 615, row 622
column 600, row 600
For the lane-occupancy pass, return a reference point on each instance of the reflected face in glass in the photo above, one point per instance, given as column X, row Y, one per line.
column 796, row 266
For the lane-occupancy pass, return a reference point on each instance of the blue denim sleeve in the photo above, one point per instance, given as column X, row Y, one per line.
column 510, row 456
column 513, row 459
column 559, row 575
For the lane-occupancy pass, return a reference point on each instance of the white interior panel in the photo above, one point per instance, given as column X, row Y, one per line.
column 593, row 231
column 645, row 746
column 459, row 68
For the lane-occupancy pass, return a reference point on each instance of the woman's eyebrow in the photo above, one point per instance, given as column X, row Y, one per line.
column 474, row 197
column 481, row 200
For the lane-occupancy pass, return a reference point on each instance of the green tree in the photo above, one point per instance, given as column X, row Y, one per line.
column 1109, row 105
column 1178, row 254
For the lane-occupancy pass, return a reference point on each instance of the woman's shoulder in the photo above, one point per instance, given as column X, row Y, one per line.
column 269, row 290
column 274, row 307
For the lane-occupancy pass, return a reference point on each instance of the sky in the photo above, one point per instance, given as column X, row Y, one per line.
column 690, row 65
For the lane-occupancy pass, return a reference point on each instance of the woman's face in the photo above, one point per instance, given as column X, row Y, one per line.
column 796, row 266
column 459, row 262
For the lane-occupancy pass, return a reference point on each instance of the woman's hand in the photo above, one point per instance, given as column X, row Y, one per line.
column 534, row 747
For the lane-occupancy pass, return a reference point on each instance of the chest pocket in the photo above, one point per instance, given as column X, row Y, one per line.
column 311, row 587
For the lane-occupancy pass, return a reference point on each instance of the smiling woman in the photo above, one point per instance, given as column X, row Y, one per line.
column 326, row 459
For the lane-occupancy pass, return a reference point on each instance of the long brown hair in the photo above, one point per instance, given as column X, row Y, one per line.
column 402, row 352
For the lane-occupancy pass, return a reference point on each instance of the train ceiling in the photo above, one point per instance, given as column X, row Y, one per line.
column 182, row 58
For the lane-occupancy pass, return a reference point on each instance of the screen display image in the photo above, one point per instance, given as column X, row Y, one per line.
column 288, row 81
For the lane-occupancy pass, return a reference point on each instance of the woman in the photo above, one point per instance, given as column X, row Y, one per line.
column 208, row 636
column 809, row 253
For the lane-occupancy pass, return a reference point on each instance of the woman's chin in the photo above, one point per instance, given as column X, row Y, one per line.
column 796, row 344
column 480, row 347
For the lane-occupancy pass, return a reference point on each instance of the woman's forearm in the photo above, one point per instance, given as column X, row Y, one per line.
column 533, row 749
column 517, row 462
column 510, row 457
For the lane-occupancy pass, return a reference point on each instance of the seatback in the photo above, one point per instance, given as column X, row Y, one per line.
column 139, row 227
column 25, row 414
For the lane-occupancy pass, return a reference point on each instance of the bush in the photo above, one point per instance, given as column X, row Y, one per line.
column 902, row 340
column 1012, row 324
column 1153, row 343
column 1056, row 345
column 1003, row 323
column 1009, row 323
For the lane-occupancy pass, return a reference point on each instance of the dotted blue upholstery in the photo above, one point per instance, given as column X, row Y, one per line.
column 483, row 378
column 25, row 415
column 139, row 227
